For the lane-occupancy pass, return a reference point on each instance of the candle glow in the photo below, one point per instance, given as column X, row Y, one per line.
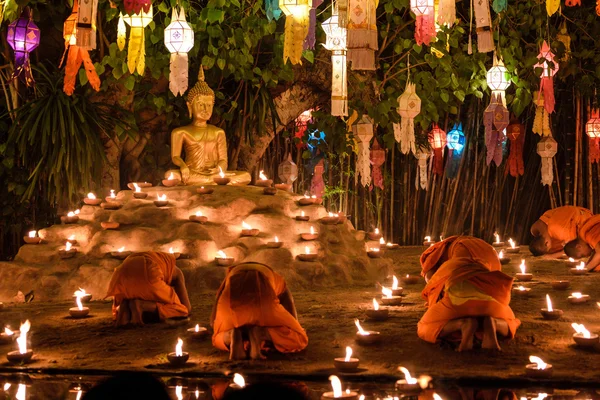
column 8, row 332
column 76, row 212
column 80, row 293
column 171, row 177
column 179, row 348
column 336, row 386
column 32, row 234
column 497, row 237
column 276, row 239
column 178, row 392
column 377, row 231
column 112, row 194
column 6, row 386
column 262, row 175
column 348, row 353
column 78, row 301
column 22, row 339
column 577, row 295
column 571, row 259
column 239, row 380
column 137, row 188
column 501, row 254
column 361, row 331
column 381, row 241
column 162, row 197
column 428, row 238
column 197, row 328
column 198, row 213
column 521, row 288
column 70, row 214
column 306, row 250
column 581, row 266
column 121, row 249
column 245, row 225
column 579, row 328
column 539, row 363
column 549, row 304
column 312, row 230
column 437, row 397
column 221, row 254
column 407, row 377
column 387, row 293
column 221, row 173
column 302, row 213
column 394, row 282
column 71, row 238
column 91, row 196
column 375, row 305
column 522, row 266
column 511, row 242
column 68, row 246
column 21, row 392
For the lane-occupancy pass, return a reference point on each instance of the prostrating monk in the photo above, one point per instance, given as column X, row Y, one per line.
column 556, row 227
column 255, row 307
column 466, row 293
column 587, row 244
column 148, row 287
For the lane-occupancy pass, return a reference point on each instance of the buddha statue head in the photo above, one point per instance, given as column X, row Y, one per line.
column 200, row 99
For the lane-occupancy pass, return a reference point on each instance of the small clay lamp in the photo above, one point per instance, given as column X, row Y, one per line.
column 80, row 311
column 377, row 314
column 175, row 254
column 307, row 201
column 32, row 238
column 503, row 259
column 275, row 244
column 203, row 190
column 110, row 225
column 170, row 181
column 408, row 384
column 560, row 285
column 550, row 313
column 316, row 200
column 392, row 246
column 83, row 295
column 247, row 230
column 337, row 392
column 161, row 200
column 221, row 179
column 366, row 337
column 410, row 279
column 70, row 218
column 71, row 239
column 388, row 299
column 91, row 200
column 198, row 332
column 374, row 252
column 521, row 291
column 222, row 259
column 286, row 187
column 138, row 194
column 538, row 368
column 112, row 197
column 68, row 252
column 342, row 217
column 121, row 253
column 578, row 298
column 270, row 191
column 198, row 217
column 307, row 255
column 110, row 206
column 179, row 357
column 428, row 241
column 330, row 219
column 347, row 364
column 396, row 290
column 312, row 235
column 583, row 337
column 302, row 217
column 497, row 242
column 263, row 181
column 238, row 382
column 375, row 235
column 8, row 336
column 23, row 355
column 513, row 249
column 579, row 269
column 523, row 276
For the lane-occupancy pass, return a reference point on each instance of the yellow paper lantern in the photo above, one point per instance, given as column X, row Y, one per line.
column 296, row 28
column 136, row 53
column 336, row 43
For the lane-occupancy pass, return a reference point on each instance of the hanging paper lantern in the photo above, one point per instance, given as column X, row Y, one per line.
column 377, row 160
column 363, row 132
column 564, row 37
column 548, row 72
column 598, row 8
column 179, row 39
column 516, row 134
column 310, row 40
column 135, row 6
column 552, row 6
column 495, row 120
column 446, row 12
column 422, row 178
column 541, row 122
column 437, row 140
column 572, row 3
column 317, row 185
column 296, row 28
column 421, row 7
column 456, row 144
column 483, row 22
column 23, row 36
column 336, row 43
column 121, row 32
column 301, row 127
column 409, row 106
column 498, row 78
column 592, row 129
column 288, row 170
column 424, row 11
column 272, row 9
column 547, row 148
column 362, row 34
column 136, row 53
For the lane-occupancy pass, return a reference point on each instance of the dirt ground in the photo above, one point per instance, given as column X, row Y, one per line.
column 61, row 343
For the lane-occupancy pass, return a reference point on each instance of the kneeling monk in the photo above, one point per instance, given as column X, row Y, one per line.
column 255, row 306
column 587, row 244
column 556, row 227
column 466, row 292
column 148, row 286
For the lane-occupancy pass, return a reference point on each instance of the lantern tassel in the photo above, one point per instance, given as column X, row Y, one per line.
column 178, row 73
column 485, row 39
column 136, row 53
column 310, row 40
column 547, row 91
column 547, row 173
column 515, row 164
column 404, row 133
column 339, row 84
column 453, row 164
column 438, row 161
column 121, row 33
column 363, row 165
column 594, row 150
column 296, row 29
column 23, row 68
column 446, row 12
column 421, row 180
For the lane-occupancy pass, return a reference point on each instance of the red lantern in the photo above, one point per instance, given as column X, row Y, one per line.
column 516, row 134
column 135, row 6
column 377, row 160
column 592, row 128
column 437, row 140
column 549, row 69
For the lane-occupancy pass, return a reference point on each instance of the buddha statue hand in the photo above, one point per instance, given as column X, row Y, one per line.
column 185, row 173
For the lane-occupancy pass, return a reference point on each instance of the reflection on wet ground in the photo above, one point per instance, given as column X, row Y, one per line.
column 33, row 387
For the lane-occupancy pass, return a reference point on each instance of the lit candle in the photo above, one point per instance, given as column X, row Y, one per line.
column 306, row 250
column 410, row 280
column 161, row 200
column 522, row 290
column 83, row 295
column 21, row 392
column 346, row 364
column 388, row 298
column 330, row 219
column 178, row 392
column 23, row 354
column 583, row 337
column 221, row 179
column 524, row 276
column 221, row 173
column 381, row 241
column 513, row 247
column 376, row 313
column 71, row 239
column 408, row 383
column 302, row 217
column 172, row 180
column 222, row 259
column 238, row 382
column 374, row 252
column 275, row 244
column 550, row 313
column 7, row 336
column 76, row 212
column 70, row 218
column 560, row 285
column 91, row 199
column 312, row 235
column 579, row 269
column 365, row 337
column 198, row 332
column 198, row 217
column 375, row 235
column 32, row 238
column 428, row 241
column 337, row 392
column 396, row 289
column 578, row 298
column 175, row 253
column 179, row 357
column 247, row 230
column 112, row 194
column 80, row 311
column 503, row 259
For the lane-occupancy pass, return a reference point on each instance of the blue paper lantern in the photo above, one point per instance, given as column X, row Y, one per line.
column 456, row 138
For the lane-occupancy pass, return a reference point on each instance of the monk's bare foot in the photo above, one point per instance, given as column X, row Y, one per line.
column 256, row 339
column 467, row 329
column 135, row 307
column 123, row 314
column 236, row 348
column 490, row 339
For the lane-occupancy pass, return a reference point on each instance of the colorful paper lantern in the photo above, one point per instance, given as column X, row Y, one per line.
column 136, row 53
column 409, row 106
column 336, row 43
column 296, row 28
column 362, row 34
column 301, row 127
column 516, row 134
column 437, row 140
column 421, row 7
column 446, row 12
column 272, row 10
column 288, row 170
column 495, row 120
column 424, row 11
column 483, row 22
column 541, row 121
column 547, row 148
column 423, row 178
column 499, row 6
column 377, row 157
column 572, row 3
column 456, row 144
column 498, row 78
column 135, row 6
column 549, row 68
column 363, row 133
column 23, row 36
column 179, row 39
column 310, row 40
column 592, row 129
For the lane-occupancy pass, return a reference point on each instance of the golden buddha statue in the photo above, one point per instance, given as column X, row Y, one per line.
column 205, row 145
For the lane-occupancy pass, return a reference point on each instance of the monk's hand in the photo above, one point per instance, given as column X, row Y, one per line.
column 185, row 174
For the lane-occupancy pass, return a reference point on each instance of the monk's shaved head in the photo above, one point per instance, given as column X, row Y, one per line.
column 578, row 249
column 539, row 246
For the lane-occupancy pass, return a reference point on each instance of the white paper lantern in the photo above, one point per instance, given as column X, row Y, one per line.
column 179, row 39
column 336, row 43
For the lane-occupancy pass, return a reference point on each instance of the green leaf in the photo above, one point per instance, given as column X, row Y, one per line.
column 129, row 82
column 221, row 64
column 445, row 97
column 83, row 79
column 208, row 62
column 215, row 15
column 309, row 55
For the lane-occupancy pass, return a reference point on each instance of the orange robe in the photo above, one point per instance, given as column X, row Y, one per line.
column 459, row 246
column 564, row 224
column 590, row 231
column 463, row 287
column 249, row 296
column 147, row 276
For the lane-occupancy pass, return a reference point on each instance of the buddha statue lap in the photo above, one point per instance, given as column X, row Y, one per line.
column 205, row 145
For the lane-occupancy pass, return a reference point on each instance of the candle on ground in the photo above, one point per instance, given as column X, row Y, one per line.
column 521, row 290
column 503, row 259
column 247, row 230
column 7, row 336
column 307, row 255
column 179, row 357
column 550, row 313
column 263, row 181
column 583, row 337
column 161, row 200
column 198, row 217
column 408, row 384
column 578, row 298
column 68, row 252
column 388, row 299
column 121, row 253
column 366, row 337
column 138, row 194
column 198, row 332
column 348, row 363
column 32, row 238
column 312, row 235
column 222, row 259
column 337, row 392
column 560, row 285
column 221, row 179
column 579, row 269
column 170, row 181
column 203, row 190
column 85, row 296
column 24, row 354
column 410, row 279
column 80, row 311
column 428, row 241
column 538, row 368
column 396, row 289
column 375, row 235
column 175, row 253
column 275, row 243
column 302, row 217
column 524, row 276
column 497, row 242
column 374, row 252
column 91, row 200
column 238, row 382
column 330, row 219
column 377, row 314
column 513, row 247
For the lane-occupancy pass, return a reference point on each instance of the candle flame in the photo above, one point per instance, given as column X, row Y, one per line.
column 262, row 175
column 579, row 328
column 437, row 397
column 375, row 249
column 162, row 197
column 428, row 238
column 441, row 238
column 539, row 363
column 375, row 305
column 197, row 328
column 78, row 301
column 331, row 215
column 501, row 254
column 6, row 386
column 389, row 244
column 571, row 259
column 312, row 230
column 70, row 214
column 198, row 213
column 348, row 353
column 377, row 231
column 68, row 246
column 522, row 266
column 381, row 240
column 91, row 196
column 394, row 282
column 239, row 380
column 79, row 293
column 581, row 266
column 306, row 250
column 137, row 188
column 171, row 176
column 112, row 194
column 549, row 303
column 178, row 393
column 121, row 249
column 221, row 254
column 314, row 196
column 361, row 331
column 71, row 238
column 598, row 304
column 302, row 213
column 8, row 332
column 497, row 237
column 197, row 393
column 32, row 234
column 22, row 339
column 21, row 392
column 577, row 295
column 407, row 377
column 76, row 212
column 171, row 250
column 336, row 385
column 179, row 348
column 387, row 293
column 407, row 276
column 221, row 173
column 511, row 242
column 276, row 239
column 521, row 288
column 245, row 225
